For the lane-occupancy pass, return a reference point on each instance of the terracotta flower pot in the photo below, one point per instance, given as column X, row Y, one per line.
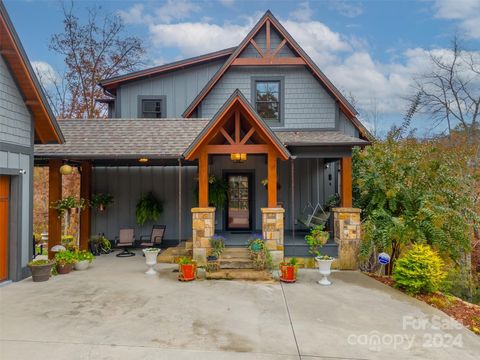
column 64, row 268
column 188, row 271
column 288, row 273
column 41, row 272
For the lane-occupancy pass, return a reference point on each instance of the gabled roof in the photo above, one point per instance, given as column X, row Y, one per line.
column 269, row 19
column 237, row 98
column 111, row 84
column 11, row 49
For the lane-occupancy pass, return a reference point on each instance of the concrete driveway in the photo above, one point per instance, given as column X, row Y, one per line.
column 114, row 311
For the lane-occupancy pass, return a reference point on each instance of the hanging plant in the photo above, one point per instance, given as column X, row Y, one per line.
column 148, row 208
column 217, row 192
column 101, row 201
column 68, row 203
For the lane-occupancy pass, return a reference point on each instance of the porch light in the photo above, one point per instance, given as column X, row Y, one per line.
column 66, row 169
column 143, row 160
column 238, row 157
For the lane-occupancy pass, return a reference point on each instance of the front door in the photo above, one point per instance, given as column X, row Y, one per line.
column 4, row 191
column 239, row 204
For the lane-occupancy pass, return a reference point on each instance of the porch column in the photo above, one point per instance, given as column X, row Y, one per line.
column 85, row 193
column 347, row 234
column 203, row 179
column 273, row 232
column 203, row 228
column 54, row 194
column 346, row 181
column 272, row 180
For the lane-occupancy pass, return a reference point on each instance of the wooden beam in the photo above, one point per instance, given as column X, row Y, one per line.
column 247, row 136
column 54, row 194
column 246, row 149
column 267, row 30
column 255, row 45
column 203, row 179
column 237, row 127
column 346, row 181
column 272, row 180
column 268, row 61
column 85, row 193
column 279, row 47
column 226, row 136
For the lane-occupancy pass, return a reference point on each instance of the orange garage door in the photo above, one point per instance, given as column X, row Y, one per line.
column 4, row 186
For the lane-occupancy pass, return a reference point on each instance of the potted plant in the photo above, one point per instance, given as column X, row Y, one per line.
column 315, row 240
column 148, row 208
column 217, row 192
column 187, row 269
column 151, row 259
column 101, row 201
column 41, row 269
column 99, row 244
column 69, row 242
column 255, row 244
column 69, row 204
column 64, row 260
column 217, row 243
column 288, row 270
column 83, row 259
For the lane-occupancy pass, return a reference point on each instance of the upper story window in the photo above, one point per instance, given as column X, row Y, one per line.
column 151, row 107
column 267, row 99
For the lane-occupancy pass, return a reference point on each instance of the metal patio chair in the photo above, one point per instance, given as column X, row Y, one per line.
column 155, row 238
column 318, row 217
column 126, row 239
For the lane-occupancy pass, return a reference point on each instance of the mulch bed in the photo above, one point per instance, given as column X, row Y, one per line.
column 464, row 312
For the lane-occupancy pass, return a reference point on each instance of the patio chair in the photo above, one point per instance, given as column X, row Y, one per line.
column 317, row 217
column 126, row 240
column 155, row 238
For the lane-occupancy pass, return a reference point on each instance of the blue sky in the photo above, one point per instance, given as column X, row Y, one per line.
column 370, row 49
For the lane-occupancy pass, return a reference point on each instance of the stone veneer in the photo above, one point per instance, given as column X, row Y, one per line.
column 347, row 230
column 203, row 225
column 272, row 232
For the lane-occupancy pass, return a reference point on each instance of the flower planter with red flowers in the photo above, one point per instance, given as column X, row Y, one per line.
column 188, row 269
column 288, row 271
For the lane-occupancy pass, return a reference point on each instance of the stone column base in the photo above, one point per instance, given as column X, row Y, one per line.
column 347, row 230
column 273, row 232
column 203, row 228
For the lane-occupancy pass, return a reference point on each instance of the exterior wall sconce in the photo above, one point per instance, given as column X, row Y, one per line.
column 238, row 157
column 143, row 160
column 66, row 169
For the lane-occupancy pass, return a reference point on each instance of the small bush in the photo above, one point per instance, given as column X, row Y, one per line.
column 419, row 270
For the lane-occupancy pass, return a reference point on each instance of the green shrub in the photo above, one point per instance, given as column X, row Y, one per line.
column 420, row 270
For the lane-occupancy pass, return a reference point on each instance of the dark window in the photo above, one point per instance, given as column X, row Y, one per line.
column 267, row 99
column 152, row 108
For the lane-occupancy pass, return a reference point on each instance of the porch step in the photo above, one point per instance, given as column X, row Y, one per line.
column 236, row 263
column 234, row 252
column 170, row 254
column 239, row 274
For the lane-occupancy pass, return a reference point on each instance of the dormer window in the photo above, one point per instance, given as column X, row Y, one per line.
column 151, row 107
column 267, row 96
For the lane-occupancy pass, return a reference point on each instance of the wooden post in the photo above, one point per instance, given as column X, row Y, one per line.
column 54, row 194
column 85, row 193
column 346, row 182
column 272, row 180
column 203, row 179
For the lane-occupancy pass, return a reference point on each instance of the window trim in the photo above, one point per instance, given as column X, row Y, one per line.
column 163, row 107
column 281, row 108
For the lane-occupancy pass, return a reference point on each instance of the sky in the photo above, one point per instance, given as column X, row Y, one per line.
column 370, row 50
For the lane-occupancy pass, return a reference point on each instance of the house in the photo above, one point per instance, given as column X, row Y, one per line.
column 262, row 116
column 25, row 119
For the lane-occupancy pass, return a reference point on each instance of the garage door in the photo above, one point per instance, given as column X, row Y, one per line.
column 4, row 188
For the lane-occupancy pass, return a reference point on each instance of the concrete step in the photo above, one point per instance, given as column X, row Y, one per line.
column 236, row 263
column 239, row 274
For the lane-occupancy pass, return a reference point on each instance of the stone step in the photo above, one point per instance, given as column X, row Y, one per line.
column 169, row 255
column 239, row 274
column 230, row 253
column 236, row 263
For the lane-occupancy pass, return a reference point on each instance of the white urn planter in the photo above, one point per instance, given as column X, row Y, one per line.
column 324, row 267
column 151, row 259
column 81, row 265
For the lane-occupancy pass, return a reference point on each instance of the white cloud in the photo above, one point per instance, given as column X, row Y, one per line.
column 134, row 15
column 349, row 9
column 176, row 9
column 45, row 73
column 467, row 12
column 303, row 13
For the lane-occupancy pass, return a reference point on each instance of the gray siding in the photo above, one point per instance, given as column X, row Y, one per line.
column 346, row 126
column 15, row 119
column 307, row 104
column 180, row 87
column 126, row 184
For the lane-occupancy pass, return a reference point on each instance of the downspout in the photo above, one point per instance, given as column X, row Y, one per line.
column 292, row 167
column 179, row 200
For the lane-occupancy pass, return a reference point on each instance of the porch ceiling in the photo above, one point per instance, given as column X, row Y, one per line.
column 124, row 141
